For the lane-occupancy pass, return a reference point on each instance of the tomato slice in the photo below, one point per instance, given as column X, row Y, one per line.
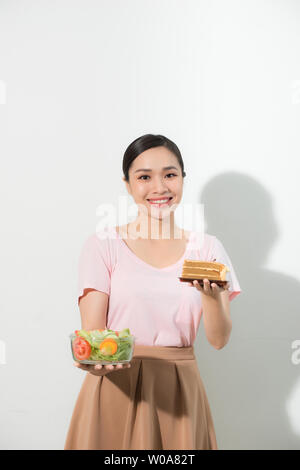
column 81, row 348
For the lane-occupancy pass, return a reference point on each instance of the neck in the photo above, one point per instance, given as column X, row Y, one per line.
column 151, row 228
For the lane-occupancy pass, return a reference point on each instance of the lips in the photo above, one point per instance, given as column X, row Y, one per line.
column 160, row 204
column 159, row 199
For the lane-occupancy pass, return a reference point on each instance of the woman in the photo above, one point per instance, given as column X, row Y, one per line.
column 158, row 401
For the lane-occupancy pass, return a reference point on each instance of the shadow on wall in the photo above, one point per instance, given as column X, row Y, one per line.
column 253, row 383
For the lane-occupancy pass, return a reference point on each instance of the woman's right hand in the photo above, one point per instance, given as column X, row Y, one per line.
column 99, row 369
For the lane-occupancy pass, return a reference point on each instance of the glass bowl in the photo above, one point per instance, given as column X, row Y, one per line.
column 102, row 346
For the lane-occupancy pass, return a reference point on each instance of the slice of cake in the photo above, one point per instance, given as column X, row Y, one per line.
column 211, row 270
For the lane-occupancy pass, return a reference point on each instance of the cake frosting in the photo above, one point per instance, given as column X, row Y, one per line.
column 194, row 269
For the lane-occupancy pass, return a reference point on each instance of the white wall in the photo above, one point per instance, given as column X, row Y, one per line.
column 78, row 82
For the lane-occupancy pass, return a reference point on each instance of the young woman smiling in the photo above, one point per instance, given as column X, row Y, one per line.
column 128, row 278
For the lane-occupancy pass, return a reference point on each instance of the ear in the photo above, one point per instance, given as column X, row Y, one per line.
column 127, row 185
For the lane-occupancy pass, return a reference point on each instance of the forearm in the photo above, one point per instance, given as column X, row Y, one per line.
column 217, row 321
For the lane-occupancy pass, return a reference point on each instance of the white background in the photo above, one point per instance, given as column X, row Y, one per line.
column 79, row 81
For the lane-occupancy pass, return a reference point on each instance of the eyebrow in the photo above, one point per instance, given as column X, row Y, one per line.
column 165, row 168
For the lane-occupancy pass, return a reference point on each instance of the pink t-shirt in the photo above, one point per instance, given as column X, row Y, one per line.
column 152, row 302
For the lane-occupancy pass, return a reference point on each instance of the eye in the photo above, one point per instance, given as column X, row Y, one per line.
column 171, row 174
column 148, row 176
column 142, row 177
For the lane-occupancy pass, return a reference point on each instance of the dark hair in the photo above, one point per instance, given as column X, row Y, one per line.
column 146, row 142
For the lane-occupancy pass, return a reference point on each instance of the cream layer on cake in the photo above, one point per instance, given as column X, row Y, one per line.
column 194, row 269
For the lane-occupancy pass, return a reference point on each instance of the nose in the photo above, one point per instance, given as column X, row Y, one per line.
column 160, row 186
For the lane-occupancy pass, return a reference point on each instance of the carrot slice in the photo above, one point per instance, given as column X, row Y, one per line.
column 108, row 346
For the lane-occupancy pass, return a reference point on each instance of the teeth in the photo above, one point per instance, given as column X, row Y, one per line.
column 160, row 201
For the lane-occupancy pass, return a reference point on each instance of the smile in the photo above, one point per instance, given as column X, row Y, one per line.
column 160, row 202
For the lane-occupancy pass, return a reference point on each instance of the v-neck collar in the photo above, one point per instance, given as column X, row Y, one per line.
column 142, row 262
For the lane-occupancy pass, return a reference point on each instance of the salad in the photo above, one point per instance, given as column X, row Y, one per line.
column 102, row 346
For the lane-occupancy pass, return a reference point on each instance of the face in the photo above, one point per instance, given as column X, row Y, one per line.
column 158, row 182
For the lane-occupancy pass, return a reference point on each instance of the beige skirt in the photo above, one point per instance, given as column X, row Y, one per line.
column 158, row 403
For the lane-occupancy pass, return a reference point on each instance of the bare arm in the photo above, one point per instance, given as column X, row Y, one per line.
column 216, row 313
column 93, row 309
column 216, row 319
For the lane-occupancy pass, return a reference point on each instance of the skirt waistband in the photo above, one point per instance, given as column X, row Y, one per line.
column 163, row 352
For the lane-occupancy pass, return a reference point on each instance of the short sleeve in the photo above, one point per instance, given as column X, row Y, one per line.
column 94, row 266
column 219, row 254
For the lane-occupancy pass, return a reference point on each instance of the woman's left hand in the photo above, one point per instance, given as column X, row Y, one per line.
column 209, row 289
